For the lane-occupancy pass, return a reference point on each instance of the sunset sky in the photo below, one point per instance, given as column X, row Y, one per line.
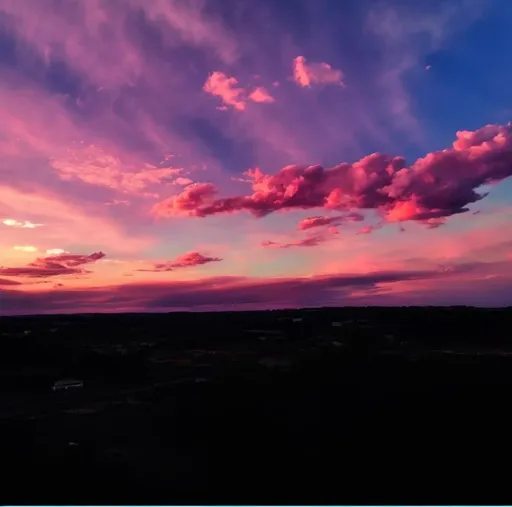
column 160, row 155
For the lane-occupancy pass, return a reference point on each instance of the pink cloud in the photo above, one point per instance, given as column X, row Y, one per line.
column 182, row 181
column 437, row 186
column 192, row 197
column 260, row 94
column 53, row 265
column 68, row 223
column 306, row 74
column 310, row 241
column 319, row 221
column 94, row 166
column 220, row 85
column 366, row 230
column 190, row 22
column 370, row 228
column 83, row 43
column 231, row 94
column 117, row 202
column 90, row 152
column 186, row 260
column 4, row 282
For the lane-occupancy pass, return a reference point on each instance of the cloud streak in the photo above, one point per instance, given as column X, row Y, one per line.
column 53, row 265
column 187, row 260
column 320, row 221
column 305, row 242
column 10, row 222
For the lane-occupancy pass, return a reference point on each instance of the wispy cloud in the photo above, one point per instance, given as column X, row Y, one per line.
column 187, row 260
column 10, row 222
column 310, row 241
column 307, row 74
column 25, row 248
column 110, row 120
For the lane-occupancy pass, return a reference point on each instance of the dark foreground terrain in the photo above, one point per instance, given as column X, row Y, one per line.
column 367, row 405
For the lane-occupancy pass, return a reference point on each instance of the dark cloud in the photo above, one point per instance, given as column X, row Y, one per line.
column 319, row 221
column 311, row 241
column 4, row 282
column 54, row 265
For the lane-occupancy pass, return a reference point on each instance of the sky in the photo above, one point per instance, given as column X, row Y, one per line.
column 169, row 155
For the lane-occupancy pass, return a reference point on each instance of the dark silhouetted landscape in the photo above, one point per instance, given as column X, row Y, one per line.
column 351, row 405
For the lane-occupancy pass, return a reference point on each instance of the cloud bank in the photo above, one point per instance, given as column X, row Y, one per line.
column 435, row 187
column 256, row 293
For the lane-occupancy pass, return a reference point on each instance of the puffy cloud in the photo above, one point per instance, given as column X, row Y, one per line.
column 231, row 94
column 186, row 260
column 10, row 222
column 306, row 74
column 53, row 265
column 192, row 198
column 25, row 248
column 319, row 221
column 437, row 186
column 226, row 88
